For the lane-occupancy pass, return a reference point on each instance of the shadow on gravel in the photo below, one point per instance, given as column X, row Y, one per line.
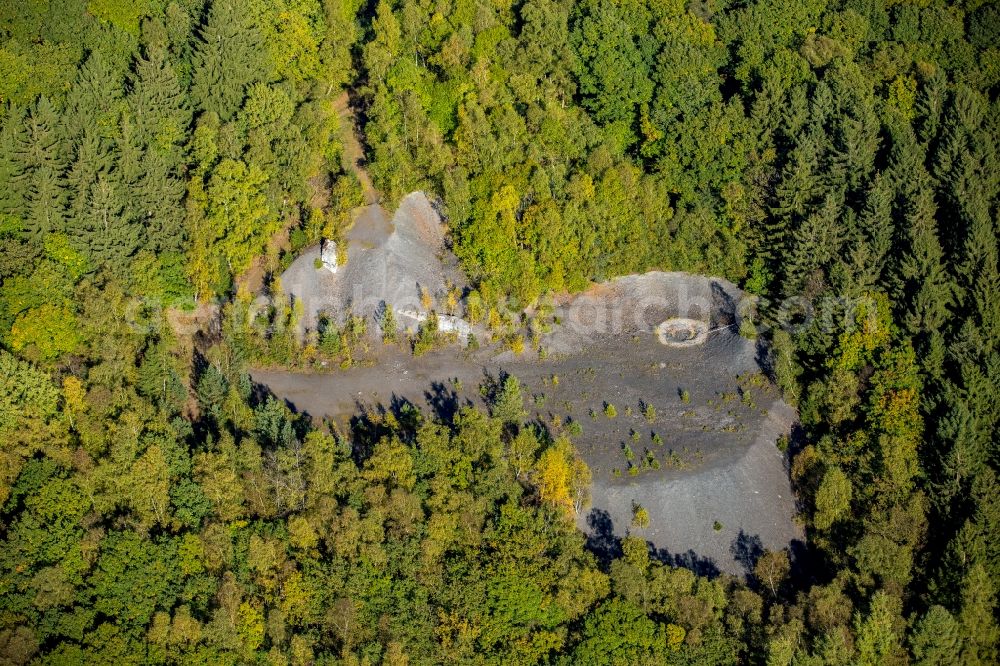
column 747, row 550
column 702, row 566
column 603, row 543
column 724, row 306
column 444, row 402
column 601, row 540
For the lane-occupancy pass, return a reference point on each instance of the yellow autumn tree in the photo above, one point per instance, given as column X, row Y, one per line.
column 563, row 480
column 73, row 398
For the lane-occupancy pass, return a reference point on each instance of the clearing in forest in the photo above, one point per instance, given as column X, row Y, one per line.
column 661, row 396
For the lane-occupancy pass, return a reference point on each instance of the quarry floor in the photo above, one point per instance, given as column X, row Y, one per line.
column 721, row 493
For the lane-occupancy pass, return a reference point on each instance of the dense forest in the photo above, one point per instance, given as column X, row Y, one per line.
column 836, row 158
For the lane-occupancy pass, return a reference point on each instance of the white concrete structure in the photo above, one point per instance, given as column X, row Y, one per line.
column 446, row 323
column 682, row 332
column 328, row 255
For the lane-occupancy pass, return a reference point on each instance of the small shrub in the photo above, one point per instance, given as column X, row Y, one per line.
column 617, row 473
column 331, row 343
column 628, row 410
column 650, row 460
column 593, row 413
column 515, row 343
column 610, row 411
column 539, row 399
column 633, row 471
column 629, row 454
column 717, row 526
column 685, row 396
column 640, row 516
column 657, row 439
column 317, row 263
column 427, row 335
column 634, row 435
column 387, row 322
column 649, row 412
column 574, row 428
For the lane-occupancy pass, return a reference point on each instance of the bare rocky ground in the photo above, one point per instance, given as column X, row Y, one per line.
column 706, row 465
column 389, row 261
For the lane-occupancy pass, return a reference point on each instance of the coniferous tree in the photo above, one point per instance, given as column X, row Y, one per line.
column 93, row 158
column 45, row 210
column 94, row 101
column 229, row 57
column 815, row 244
column 105, row 230
column 12, row 136
column 873, row 242
column 158, row 200
column 927, row 290
column 40, row 162
column 930, row 105
column 128, row 151
column 162, row 118
column 796, row 191
column 159, row 106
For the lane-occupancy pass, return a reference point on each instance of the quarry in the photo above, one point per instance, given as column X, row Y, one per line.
column 648, row 374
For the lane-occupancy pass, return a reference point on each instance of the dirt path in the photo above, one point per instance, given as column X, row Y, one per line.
column 354, row 154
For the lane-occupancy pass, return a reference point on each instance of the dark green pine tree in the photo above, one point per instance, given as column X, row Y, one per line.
column 794, row 194
column 907, row 171
column 229, row 57
column 12, row 137
column 816, row 243
column 873, row 238
column 960, row 452
column 40, row 163
column 178, row 25
column 794, row 112
column 129, row 153
column 978, row 266
column 930, row 105
column 104, row 230
column 158, row 198
column 925, row 289
column 159, row 107
column 928, row 290
column 162, row 119
column 92, row 103
column 858, row 143
column 48, row 197
column 93, row 158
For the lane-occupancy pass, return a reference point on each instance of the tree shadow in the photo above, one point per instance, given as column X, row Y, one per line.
column 723, row 306
column 444, row 402
column 746, row 550
column 370, row 423
column 702, row 566
column 407, row 414
column 601, row 540
column 490, row 386
column 607, row 546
